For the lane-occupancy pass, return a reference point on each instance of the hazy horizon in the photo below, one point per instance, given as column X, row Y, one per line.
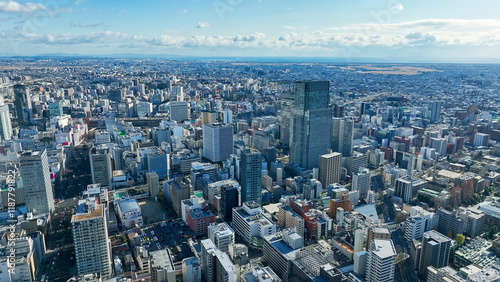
column 401, row 31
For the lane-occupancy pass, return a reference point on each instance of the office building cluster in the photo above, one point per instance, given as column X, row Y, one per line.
column 154, row 170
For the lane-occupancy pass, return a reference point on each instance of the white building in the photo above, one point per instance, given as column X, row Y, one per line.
column 102, row 137
column 361, row 183
column 162, row 266
column 222, row 235
column 381, row 262
column 191, row 270
column 36, row 180
column 5, row 122
column 251, row 224
column 414, row 228
column 129, row 213
column 216, row 265
column 144, row 108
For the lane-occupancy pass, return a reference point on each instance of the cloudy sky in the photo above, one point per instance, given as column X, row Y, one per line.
column 445, row 30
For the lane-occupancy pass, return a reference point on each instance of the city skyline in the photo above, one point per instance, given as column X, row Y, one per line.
column 406, row 31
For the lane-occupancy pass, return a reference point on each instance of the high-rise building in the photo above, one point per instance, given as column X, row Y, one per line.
column 345, row 204
column 191, row 270
column 251, row 224
column 287, row 105
column 377, row 233
column 100, row 166
column 208, row 117
column 407, row 187
column 162, row 266
column 222, row 235
column 22, row 101
column 5, row 122
column 435, row 251
column 250, row 175
column 229, row 198
column 361, row 182
column 56, row 109
column 381, row 262
column 216, row 265
column 342, row 135
column 450, row 223
column 414, row 228
column 37, row 188
column 179, row 191
column 434, row 109
column 310, row 119
column 178, row 111
column 330, row 168
column 153, row 184
column 217, row 141
column 90, row 236
column 356, row 162
column 280, row 249
column 287, row 218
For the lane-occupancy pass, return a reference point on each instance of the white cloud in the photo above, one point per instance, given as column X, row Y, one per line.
column 289, row 27
column 15, row 7
column 185, row 11
column 102, row 37
column 203, row 25
column 398, row 8
column 435, row 34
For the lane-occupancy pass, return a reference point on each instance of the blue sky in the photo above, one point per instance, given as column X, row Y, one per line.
column 433, row 30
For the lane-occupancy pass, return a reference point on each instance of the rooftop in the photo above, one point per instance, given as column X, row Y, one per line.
column 98, row 212
column 383, row 248
column 128, row 205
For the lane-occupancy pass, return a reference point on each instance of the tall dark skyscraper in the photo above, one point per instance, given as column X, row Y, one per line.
column 435, row 251
column 251, row 171
column 434, row 109
column 310, row 121
column 228, row 200
column 22, row 101
column 287, row 105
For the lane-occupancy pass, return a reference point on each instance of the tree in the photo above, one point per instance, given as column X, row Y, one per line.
column 460, row 239
column 450, row 234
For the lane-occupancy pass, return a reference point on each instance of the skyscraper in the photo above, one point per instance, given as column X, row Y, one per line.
column 250, row 174
column 153, row 184
column 100, row 166
column 217, row 141
column 434, row 109
column 310, row 119
column 435, row 251
column 228, row 200
column 330, row 167
column 90, row 236
column 407, row 187
column 287, row 105
column 22, row 100
column 381, row 262
column 36, row 179
column 342, row 135
column 5, row 122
